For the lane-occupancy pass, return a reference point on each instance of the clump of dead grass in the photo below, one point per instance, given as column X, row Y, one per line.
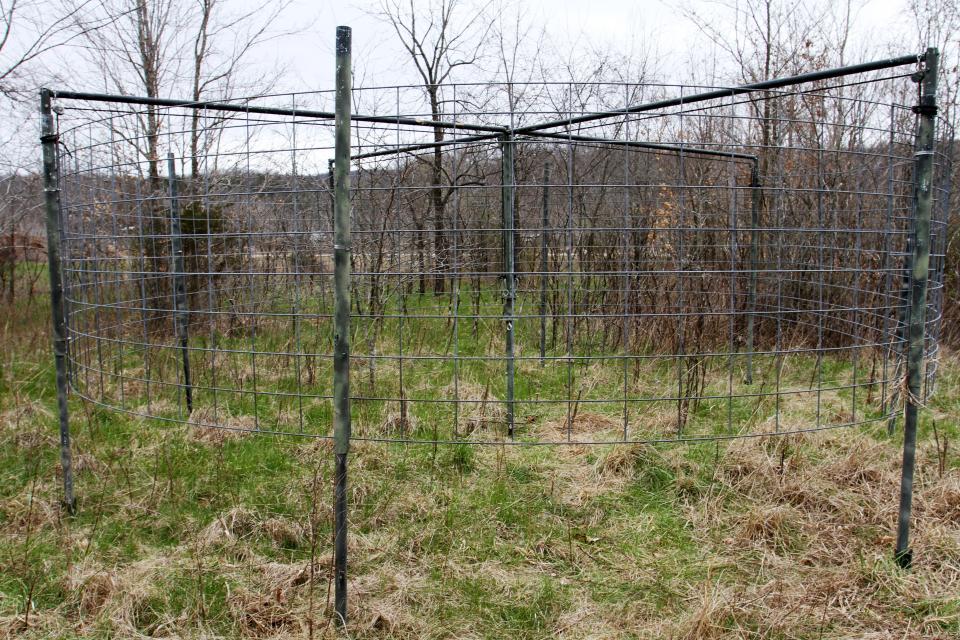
column 284, row 532
column 774, row 525
column 216, row 427
column 859, row 466
column 116, row 595
column 29, row 512
column 397, row 423
column 621, row 460
column 23, row 426
column 482, row 410
column 260, row 614
column 95, row 590
column 714, row 613
column 581, row 427
column 236, row 523
column 386, row 600
column 942, row 500
column 240, row 523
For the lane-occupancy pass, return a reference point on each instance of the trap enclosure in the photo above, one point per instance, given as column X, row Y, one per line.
column 549, row 263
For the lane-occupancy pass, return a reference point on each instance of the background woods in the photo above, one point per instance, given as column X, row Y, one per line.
column 204, row 51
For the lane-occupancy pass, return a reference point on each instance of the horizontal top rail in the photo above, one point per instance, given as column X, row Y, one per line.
column 714, row 94
column 655, row 146
column 776, row 83
column 273, row 111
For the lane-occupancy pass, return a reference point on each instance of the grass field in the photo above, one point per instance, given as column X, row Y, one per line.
column 206, row 534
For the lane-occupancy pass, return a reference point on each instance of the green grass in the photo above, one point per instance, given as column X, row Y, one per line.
column 179, row 535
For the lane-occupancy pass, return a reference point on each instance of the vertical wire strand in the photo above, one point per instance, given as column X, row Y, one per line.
column 855, row 277
column 298, row 245
column 568, row 324
column 455, row 285
column 144, row 302
column 683, row 399
column 888, row 275
column 781, row 230
column 252, row 301
column 732, row 301
column 118, row 268
column 821, row 268
column 626, row 322
column 404, row 418
column 212, row 303
column 95, row 263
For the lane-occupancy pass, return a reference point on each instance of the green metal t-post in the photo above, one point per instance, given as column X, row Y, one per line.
column 341, row 319
column 923, row 199
column 51, row 194
column 508, row 199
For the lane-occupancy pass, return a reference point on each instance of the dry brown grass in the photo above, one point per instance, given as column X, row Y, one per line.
column 267, row 606
column 396, row 424
column 24, row 426
column 811, row 539
column 779, row 538
column 118, row 595
column 942, row 500
column 791, row 522
column 585, row 426
column 216, row 427
column 240, row 523
column 483, row 411
column 29, row 512
column 772, row 525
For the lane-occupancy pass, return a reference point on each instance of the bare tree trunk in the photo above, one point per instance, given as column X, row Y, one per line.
column 438, row 202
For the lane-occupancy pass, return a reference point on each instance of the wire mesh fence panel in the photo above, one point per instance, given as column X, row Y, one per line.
column 735, row 266
column 746, row 273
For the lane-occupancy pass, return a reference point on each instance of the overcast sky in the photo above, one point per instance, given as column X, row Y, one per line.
column 657, row 26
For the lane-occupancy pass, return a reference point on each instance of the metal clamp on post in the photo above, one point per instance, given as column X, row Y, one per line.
column 507, row 210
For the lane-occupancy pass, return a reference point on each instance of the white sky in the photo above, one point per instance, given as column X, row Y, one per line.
column 657, row 25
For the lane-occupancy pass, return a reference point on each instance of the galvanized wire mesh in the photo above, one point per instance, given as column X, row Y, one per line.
column 733, row 267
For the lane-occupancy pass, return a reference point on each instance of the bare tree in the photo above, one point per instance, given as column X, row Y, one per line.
column 176, row 47
column 31, row 28
column 30, row 31
column 440, row 37
column 937, row 23
column 764, row 39
column 222, row 44
column 139, row 54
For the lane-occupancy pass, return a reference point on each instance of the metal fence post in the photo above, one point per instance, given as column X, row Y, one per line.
column 754, row 261
column 51, row 193
column 923, row 198
column 181, row 318
column 508, row 195
column 341, row 339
